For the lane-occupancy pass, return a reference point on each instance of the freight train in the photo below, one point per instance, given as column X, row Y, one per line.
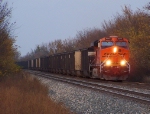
column 106, row 58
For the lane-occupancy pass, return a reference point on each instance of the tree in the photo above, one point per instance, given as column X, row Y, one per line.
column 86, row 37
column 7, row 48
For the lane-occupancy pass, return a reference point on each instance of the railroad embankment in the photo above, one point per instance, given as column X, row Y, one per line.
column 21, row 94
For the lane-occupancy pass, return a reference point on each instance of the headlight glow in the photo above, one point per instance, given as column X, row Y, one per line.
column 115, row 49
column 108, row 63
column 123, row 62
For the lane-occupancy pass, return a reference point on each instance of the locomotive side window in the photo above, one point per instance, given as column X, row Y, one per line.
column 122, row 44
column 107, row 44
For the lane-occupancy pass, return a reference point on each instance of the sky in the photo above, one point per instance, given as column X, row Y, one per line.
column 42, row 21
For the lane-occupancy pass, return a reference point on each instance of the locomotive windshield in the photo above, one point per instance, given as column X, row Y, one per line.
column 122, row 44
column 107, row 44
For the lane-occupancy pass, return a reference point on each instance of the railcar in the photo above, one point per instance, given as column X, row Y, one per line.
column 106, row 58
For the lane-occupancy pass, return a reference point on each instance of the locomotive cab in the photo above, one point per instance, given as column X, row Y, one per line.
column 112, row 59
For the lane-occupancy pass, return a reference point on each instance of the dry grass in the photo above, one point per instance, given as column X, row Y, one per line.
column 20, row 94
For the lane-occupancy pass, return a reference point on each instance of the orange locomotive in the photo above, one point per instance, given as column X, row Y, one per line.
column 112, row 59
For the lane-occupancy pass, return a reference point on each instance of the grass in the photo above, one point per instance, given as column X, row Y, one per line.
column 21, row 94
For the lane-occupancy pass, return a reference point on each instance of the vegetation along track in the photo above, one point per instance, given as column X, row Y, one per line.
column 111, row 88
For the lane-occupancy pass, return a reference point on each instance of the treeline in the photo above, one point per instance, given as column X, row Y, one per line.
column 134, row 25
column 8, row 50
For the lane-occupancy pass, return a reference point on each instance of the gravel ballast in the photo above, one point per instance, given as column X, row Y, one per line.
column 86, row 101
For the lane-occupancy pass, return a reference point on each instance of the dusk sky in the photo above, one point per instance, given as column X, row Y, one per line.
column 43, row 21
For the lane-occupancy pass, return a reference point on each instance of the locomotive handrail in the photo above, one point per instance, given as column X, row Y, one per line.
column 128, row 66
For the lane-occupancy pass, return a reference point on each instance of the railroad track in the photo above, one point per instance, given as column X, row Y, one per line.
column 132, row 94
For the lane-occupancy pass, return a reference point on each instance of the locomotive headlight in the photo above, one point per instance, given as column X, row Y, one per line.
column 115, row 49
column 108, row 63
column 123, row 62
